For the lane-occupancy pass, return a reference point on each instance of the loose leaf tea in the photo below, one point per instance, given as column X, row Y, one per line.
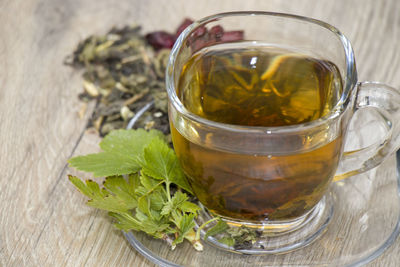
column 123, row 73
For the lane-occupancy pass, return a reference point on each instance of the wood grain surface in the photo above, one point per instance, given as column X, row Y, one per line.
column 43, row 219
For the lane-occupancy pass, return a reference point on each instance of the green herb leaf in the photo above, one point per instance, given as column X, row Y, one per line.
column 142, row 201
column 121, row 190
column 151, row 227
column 148, row 182
column 161, row 163
column 220, row 227
column 129, row 143
column 186, row 226
column 102, row 199
column 126, row 222
column 176, row 201
column 123, row 150
column 105, row 164
column 227, row 240
column 189, row 207
column 144, row 205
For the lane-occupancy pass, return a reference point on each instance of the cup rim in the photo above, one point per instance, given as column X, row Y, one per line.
column 340, row 107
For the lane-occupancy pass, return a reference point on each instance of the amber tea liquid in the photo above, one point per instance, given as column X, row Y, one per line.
column 258, row 86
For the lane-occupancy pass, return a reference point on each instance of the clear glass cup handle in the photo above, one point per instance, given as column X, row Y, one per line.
column 386, row 101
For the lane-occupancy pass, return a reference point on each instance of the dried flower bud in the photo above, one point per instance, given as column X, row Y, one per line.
column 160, row 39
column 186, row 22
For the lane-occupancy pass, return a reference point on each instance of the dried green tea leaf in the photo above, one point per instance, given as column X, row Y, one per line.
column 121, row 69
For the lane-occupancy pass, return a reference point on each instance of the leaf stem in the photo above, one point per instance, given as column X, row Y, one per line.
column 167, row 184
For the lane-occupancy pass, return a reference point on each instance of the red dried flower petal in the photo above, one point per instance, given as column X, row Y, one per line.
column 186, row 22
column 216, row 31
column 160, row 39
column 232, row 36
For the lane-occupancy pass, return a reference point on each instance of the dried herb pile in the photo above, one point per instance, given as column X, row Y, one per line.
column 122, row 73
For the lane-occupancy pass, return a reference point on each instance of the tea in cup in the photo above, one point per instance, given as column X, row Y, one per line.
column 259, row 124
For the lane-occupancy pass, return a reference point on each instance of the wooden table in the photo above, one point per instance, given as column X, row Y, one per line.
column 43, row 219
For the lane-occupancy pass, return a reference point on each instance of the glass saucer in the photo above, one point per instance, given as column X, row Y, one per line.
column 364, row 225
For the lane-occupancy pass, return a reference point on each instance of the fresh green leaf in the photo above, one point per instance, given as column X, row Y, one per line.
column 227, row 240
column 148, row 182
column 141, row 201
column 129, row 142
column 126, row 222
column 157, row 200
column 155, row 214
column 133, row 182
column 160, row 162
column 189, row 207
column 141, row 191
column 176, row 201
column 123, row 150
column 186, row 226
column 105, row 164
column 187, row 223
column 122, row 190
column 144, row 205
column 220, row 227
column 140, row 215
column 102, row 199
column 80, row 185
column 151, row 227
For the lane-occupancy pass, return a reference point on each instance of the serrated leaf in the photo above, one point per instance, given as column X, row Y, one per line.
column 81, row 186
column 144, row 205
column 126, row 222
column 133, row 182
column 121, row 190
column 160, row 162
column 189, row 207
column 140, row 215
column 157, row 200
column 151, row 227
column 123, row 150
column 148, row 182
column 141, row 191
column 105, row 164
column 129, row 142
column 103, row 199
column 176, row 201
column 96, row 191
column 185, row 226
column 227, row 240
column 155, row 215
column 220, row 227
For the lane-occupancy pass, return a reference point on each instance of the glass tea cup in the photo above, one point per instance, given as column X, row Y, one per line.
column 265, row 158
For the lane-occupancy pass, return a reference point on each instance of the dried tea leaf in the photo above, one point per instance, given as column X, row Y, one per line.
column 122, row 72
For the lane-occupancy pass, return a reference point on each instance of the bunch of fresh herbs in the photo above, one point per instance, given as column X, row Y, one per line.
column 140, row 170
